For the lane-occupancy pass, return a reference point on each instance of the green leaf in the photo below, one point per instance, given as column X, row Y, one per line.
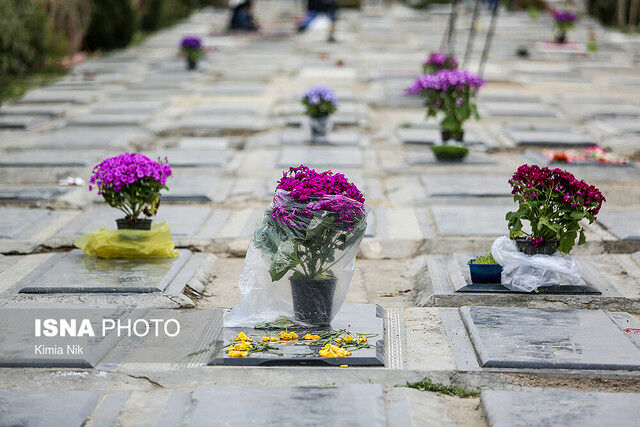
column 284, row 260
column 582, row 239
column 314, row 227
column 267, row 237
column 567, row 241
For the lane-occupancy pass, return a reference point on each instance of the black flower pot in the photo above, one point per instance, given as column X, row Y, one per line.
column 561, row 37
column 485, row 273
column 313, row 299
column 192, row 64
column 447, row 135
column 140, row 224
column 546, row 247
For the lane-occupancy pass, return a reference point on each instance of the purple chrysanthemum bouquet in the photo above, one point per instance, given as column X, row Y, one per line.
column 564, row 21
column 439, row 61
column 131, row 183
column 313, row 216
column 449, row 93
column 319, row 101
column 554, row 202
column 191, row 48
column 302, row 256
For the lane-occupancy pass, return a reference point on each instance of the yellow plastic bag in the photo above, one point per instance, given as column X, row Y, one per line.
column 105, row 243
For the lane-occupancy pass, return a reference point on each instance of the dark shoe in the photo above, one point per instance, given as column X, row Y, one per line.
column 331, row 39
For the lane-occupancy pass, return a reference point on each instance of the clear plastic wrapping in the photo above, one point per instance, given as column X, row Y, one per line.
column 526, row 273
column 300, row 261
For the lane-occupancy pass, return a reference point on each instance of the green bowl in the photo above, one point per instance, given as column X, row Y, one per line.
column 450, row 153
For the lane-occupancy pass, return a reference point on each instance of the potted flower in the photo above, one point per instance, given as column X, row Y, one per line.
column 131, row 183
column 312, row 232
column 450, row 94
column 319, row 103
column 485, row 269
column 191, row 48
column 554, row 202
column 439, row 61
column 564, row 21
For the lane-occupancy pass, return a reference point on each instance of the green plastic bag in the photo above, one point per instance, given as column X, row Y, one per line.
column 105, row 243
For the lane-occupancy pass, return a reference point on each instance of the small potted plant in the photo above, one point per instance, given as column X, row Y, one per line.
column 191, row 48
column 450, row 94
column 554, row 202
column 485, row 269
column 439, row 61
column 131, row 183
column 564, row 21
column 313, row 230
column 319, row 103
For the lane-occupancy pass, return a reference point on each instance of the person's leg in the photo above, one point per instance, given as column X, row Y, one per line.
column 332, row 29
column 307, row 20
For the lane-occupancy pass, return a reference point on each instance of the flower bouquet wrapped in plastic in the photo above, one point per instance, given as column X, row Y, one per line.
column 302, row 256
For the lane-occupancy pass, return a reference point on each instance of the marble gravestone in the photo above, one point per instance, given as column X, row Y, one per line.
column 21, row 346
column 88, row 137
column 356, row 404
column 461, row 220
column 356, row 318
column 624, row 225
column 536, row 406
column 74, row 272
column 467, row 185
column 49, row 158
column 22, row 122
column 510, row 337
column 224, row 123
column 59, row 407
column 517, row 109
column 196, row 188
column 321, row 157
column 31, row 194
column 195, row 158
column 550, row 138
column 109, row 119
column 340, row 138
column 15, row 222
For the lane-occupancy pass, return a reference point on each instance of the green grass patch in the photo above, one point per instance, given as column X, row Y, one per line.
column 14, row 87
column 450, row 390
column 484, row 259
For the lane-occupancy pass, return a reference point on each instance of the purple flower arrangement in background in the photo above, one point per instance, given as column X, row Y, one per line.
column 444, row 80
column 191, row 42
column 564, row 21
column 449, row 93
column 131, row 182
column 439, row 61
column 191, row 48
column 319, row 101
column 564, row 16
column 554, row 202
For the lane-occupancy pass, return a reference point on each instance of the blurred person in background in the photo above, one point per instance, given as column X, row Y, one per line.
column 316, row 8
column 242, row 16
